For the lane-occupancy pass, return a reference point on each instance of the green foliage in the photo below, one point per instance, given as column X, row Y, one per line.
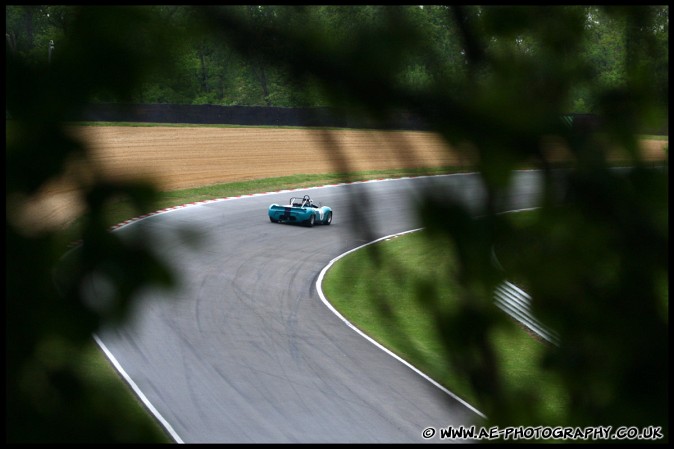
column 607, row 253
column 599, row 278
column 208, row 71
column 48, row 399
column 398, row 303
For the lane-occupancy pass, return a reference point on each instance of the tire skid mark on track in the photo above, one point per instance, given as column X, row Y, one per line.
column 303, row 352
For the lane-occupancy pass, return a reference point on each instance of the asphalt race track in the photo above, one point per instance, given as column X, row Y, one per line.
column 245, row 351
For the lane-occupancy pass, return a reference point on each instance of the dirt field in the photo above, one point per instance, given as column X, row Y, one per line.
column 178, row 158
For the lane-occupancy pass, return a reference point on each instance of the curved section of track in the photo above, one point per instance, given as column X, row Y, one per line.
column 244, row 351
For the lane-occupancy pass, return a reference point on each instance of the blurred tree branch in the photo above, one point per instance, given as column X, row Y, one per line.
column 600, row 279
column 511, row 101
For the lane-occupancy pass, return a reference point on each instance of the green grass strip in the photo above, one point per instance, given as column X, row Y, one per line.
column 383, row 289
column 121, row 209
column 110, row 394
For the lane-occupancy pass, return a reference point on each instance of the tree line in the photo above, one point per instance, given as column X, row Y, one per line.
column 207, row 72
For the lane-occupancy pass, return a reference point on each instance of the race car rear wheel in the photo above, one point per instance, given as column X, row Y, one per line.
column 312, row 220
column 272, row 220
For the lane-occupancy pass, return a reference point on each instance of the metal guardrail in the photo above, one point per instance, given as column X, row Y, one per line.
column 517, row 303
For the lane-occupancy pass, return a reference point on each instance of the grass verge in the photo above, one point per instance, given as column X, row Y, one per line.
column 122, row 209
column 401, row 292
column 110, row 393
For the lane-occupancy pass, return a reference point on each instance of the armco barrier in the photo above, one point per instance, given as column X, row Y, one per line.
column 517, row 303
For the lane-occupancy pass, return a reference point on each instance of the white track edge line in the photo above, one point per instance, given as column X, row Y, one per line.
column 325, row 301
column 319, row 281
column 138, row 391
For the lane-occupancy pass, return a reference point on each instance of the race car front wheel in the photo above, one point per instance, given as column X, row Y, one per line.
column 328, row 219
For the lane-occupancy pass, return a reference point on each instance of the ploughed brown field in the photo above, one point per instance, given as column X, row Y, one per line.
column 184, row 157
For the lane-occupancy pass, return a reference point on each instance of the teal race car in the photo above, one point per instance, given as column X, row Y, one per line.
column 300, row 211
